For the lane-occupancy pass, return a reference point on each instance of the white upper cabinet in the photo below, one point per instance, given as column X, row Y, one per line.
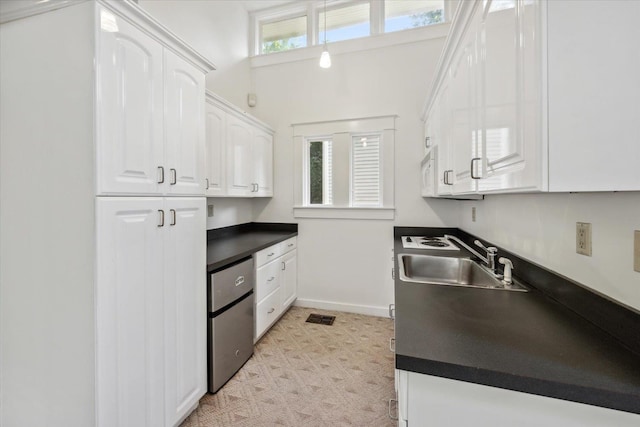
column 239, row 157
column 239, row 152
column 184, row 127
column 593, row 95
column 216, row 139
column 263, row 163
column 150, row 115
column 129, row 110
column 527, row 109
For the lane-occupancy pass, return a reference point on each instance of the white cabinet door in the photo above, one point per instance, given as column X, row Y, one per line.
column 444, row 171
column 129, row 87
column 263, row 163
column 239, row 158
column 289, row 278
column 464, row 111
column 216, row 138
column 511, row 98
column 184, row 126
column 185, row 306
column 129, row 313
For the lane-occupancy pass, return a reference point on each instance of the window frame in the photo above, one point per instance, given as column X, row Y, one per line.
column 341, row 133
column 312, row 10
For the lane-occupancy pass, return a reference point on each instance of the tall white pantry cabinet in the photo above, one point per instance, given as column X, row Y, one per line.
column 102, row 219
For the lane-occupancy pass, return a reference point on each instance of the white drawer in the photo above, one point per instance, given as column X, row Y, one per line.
column 288, row 245
column 267, row 279
column 268, row 254
column 267, row 311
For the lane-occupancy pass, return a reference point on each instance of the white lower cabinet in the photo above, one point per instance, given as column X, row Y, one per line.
column 425, row 400
column 276, row 283
column 150, row 310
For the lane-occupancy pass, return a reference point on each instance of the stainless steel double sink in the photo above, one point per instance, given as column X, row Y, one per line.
column 450, row 271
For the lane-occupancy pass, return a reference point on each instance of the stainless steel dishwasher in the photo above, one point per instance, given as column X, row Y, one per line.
column 230, row 326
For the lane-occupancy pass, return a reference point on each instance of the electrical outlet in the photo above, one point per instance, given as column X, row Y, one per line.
column 210, row 210
column 583, row 238
column 636, row 250
column 473, row 214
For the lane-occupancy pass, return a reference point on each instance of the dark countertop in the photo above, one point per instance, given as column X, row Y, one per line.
column 230, row 244
column 515, row 340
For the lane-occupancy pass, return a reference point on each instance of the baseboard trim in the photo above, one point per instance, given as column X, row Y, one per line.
column 338, row 306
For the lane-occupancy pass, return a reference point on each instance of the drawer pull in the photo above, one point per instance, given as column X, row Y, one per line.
column 271, row 279
column 290, row 244
column 271, row 254
column 239, row 280
column 271, row 311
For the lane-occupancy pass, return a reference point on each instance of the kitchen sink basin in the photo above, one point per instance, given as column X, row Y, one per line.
column 450, row 271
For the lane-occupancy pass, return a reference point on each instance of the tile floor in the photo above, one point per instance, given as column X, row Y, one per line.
column 305, row 374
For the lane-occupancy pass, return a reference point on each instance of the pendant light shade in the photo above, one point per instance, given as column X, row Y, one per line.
column 325, row 58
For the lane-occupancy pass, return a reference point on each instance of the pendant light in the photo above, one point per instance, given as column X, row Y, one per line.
column 325, row 58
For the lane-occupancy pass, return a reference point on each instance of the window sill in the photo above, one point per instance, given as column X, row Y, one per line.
column 332, row 212
column 347, row 46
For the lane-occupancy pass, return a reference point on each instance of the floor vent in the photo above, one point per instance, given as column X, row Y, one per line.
column 321, row 319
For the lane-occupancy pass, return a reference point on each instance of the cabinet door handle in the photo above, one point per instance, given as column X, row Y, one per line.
column 271, row 279
column 392, row 311
column 392, row 345
column 174, row 176
column 271, row 311
column 173, row 216
column 427, row 142
column 207, row 179
column 160, row 174
column 239, row 280
column 393, row 273
column 257, row 187
column 284, row 266
column 444, row 177
column 447, row 181
column 393, row 417
column 161, row 218
column 474, row 176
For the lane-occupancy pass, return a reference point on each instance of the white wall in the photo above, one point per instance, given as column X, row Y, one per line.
column 346, row 264
column 229, row 211
column 219, row 30
column 542, row 227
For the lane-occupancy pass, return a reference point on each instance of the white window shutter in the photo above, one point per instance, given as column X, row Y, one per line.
column 365, row 171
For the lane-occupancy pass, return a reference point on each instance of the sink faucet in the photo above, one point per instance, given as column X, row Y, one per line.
column 508, row 266
column 491, row 255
